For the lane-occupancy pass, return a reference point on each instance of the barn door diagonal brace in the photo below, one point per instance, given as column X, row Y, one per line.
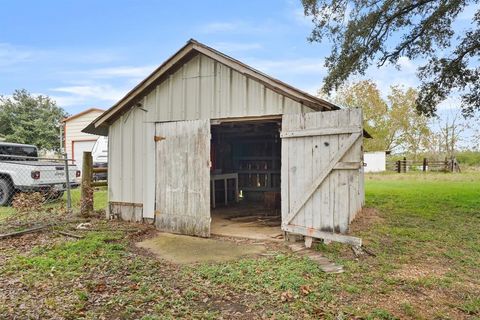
column 320, row 132
column 298, row 205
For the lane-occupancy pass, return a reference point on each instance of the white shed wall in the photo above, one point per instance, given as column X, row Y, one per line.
column 73, row 131
column 201, row 89
column 131, row 165
column 205, row 89
column 375, row 161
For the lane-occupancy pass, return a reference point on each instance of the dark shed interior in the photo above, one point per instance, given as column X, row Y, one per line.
column 247, row 154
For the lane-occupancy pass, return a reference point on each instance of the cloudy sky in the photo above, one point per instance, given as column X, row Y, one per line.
column 89, row 53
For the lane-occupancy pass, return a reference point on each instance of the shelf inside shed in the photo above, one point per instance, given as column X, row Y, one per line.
column 253, row 151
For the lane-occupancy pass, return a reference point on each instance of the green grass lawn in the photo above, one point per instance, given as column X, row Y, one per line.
column 423, row 228
column 100, row 198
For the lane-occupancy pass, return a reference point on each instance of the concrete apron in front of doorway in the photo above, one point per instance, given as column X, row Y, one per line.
column 181, row 249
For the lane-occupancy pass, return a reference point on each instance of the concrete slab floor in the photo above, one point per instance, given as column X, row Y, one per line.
column 262, row 224
column 186, row 249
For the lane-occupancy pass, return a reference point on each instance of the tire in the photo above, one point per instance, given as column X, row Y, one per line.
column 6, row 192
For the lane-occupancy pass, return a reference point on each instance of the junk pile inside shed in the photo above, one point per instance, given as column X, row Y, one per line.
column 245, row 172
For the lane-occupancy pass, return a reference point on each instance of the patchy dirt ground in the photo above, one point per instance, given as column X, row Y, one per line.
column 366, row 219
column 424, row 237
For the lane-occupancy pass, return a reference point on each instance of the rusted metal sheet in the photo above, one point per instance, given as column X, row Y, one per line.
column 183, row 177
column 321, row 172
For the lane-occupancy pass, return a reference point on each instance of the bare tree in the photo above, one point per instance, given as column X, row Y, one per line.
column 451, row 131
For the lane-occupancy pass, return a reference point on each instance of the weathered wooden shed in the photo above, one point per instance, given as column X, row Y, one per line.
column 205, row 130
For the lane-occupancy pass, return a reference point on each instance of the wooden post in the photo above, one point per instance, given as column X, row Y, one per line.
column 308, row 242
column 404, row 164
column 424, row 164
column 86, row 205
column 399, row 166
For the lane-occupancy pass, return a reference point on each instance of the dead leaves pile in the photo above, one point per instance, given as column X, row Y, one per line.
column 28, row 202
column 288, row 296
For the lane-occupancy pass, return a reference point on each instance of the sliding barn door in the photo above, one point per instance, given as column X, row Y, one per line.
column 182, row 202
column 321, row 173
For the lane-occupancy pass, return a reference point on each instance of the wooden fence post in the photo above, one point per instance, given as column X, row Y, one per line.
column 86, row 205
column 399, row 166
column 424, row 164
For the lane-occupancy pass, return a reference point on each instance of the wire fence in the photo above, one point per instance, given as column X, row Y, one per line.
column 36, row 191
column 38, row 184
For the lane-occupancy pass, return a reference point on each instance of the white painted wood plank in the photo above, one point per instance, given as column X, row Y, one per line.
column 284, row 171
column 308, row 160
column 324, row 235
column 297, row 166
column 185, row 154
column 292, row 169
column 357, row 177
column 324, row 189
column 321, row 131
column 308, row 193
column 342, row 196
column 334, row 146
column 318, row 158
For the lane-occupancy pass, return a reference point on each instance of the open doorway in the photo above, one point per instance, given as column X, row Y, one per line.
column 245, row 179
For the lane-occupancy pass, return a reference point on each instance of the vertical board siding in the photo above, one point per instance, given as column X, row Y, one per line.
column 205, row 89
column 183, row 177
column 201, row 89
column 130, row 179
column 338, row 198
column 114, row 167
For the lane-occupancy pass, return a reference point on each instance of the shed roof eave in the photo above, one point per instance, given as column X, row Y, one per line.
column 101, row 130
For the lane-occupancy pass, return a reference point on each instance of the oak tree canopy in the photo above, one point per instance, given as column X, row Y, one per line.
column 364, row 32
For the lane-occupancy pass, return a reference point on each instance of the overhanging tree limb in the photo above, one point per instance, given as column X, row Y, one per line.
column 363, row 31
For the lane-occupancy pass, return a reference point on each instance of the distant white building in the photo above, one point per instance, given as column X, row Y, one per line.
column 375, row 161
column 76, row 141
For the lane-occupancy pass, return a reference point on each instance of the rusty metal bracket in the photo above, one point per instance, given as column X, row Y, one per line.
column 158, row 138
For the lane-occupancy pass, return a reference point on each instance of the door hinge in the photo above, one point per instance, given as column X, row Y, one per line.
column 158, row 138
